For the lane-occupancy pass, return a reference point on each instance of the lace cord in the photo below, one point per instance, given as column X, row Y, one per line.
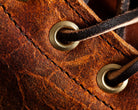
column 116, row 77
column 123, row 20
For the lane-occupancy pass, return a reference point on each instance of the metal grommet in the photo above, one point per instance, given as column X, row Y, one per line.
column 101, row 79
column 53, row 35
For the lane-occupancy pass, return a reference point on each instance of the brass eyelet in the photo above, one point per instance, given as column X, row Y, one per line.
column 53, row 35
column 101, row 79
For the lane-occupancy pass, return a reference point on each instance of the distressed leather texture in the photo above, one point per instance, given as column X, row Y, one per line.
column 35, row 76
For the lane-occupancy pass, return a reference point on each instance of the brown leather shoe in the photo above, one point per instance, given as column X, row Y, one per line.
column 36, row 76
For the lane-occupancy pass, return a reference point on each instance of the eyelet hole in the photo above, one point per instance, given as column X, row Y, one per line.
column 56, row 41
column 102, row 83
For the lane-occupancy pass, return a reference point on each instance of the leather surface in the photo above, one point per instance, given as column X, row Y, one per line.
column 34, row 75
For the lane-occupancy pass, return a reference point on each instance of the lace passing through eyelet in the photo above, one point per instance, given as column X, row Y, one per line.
column 53, row 35
column 113, row 78
column 102, row 83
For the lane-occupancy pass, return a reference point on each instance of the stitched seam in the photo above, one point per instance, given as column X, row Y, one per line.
column 119, row 51
column 76, row 12
column 30, row 40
